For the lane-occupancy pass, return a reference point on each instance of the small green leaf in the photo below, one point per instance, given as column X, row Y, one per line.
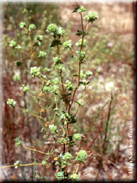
column 79, row 33
column 57, row 163
column 76, row 59
column 55, row 43
column 79, row 9
column 43, row 162
column 80, row 103
column 25, row 10
column 38, row 43
column 76, row 75
column 69, row 163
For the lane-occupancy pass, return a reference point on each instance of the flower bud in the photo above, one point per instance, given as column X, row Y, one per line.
column 91, row 16
column 52, row 128
column 59, row 175
column 52, row 29
column 32, row 27
column 35, row 71
column 16, row 78
column 76, row 137
column 17, row 164
column 67, row 44
column 82, row 156
column 12, row 43
column 80, row 43
column 74, row 177
column 67, row 156
column 22, row 25
column 42, row 54
column 11, row 102
column 26, row 89
column 88, row 73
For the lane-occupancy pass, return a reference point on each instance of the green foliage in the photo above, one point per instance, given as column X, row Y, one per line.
column 16, row 78
column 54, row 76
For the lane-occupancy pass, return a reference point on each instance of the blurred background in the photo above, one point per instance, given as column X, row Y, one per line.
column 110, row 56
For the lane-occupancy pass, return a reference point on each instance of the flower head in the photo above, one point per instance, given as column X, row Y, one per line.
column 76, row 137
column 67, row 44
column 35, row 71
column 67, row 156
column 52, row 128
column 80, row 43
column 52, row 29
column 32, row 27
column 26, row 89
column 11, row 102
column 17, row 164
column 88, row 73
column 16, row 78
column 60, row 175
column 81, row 156
column 22, row 25
column 60, row 31
column 91, row 16
column 74, row 177
column 42, row 54
column 12, row 43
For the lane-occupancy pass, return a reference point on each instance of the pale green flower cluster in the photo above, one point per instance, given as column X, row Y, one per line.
column 42, row 54
column 12, row 43
column 11, row 102
column 52, row 128
column 91, row 16
column 32, row 27
column 60, row 175
column 74, row 177
column 35, row 71
column 26, row 89
column 17, row 164
column 67, row 44
column 82, row 156
column 16, row 78
column 80, row 43
column 54, row 30
column 76, row 137
column 22, row 25
column 67, row 156
column 88, row 73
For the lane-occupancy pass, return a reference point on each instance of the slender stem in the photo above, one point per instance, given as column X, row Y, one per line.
column 79, row 65
column 24, row 52
column 104, row 144
column 82, row 22
column 77, row 168
column 63, row 88
column 75, row 88
column 32, row 114
column 87, row 26
column 35, row 100
column 30, row 164
column 104, row 148
column 30, row 42
column 81, row 100
column 73, row 52
column 20, row 165
column 34, row 150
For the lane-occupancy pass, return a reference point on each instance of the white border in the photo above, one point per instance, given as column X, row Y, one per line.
column 64, row 1
column 37, row 1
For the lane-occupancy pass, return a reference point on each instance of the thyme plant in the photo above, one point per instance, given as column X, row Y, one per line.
column 62, row 89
